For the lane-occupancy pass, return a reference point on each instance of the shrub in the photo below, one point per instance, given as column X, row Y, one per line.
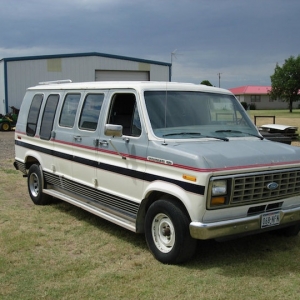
column 245, row 105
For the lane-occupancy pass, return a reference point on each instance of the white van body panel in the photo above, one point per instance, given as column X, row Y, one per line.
column 188, row 144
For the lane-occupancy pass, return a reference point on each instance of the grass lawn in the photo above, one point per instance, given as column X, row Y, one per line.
column 281, row 113
column 283, row 117
column 62, row 252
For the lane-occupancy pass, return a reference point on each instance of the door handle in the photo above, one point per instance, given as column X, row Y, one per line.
column 104, row 143
column 77, row 138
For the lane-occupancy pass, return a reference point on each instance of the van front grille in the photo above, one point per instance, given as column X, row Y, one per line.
column 268, row 186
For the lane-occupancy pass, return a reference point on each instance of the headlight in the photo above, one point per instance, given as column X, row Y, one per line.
column 219, row 187
column 219, row 193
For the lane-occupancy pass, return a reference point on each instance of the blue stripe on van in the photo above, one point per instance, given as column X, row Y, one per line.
column 197, row 189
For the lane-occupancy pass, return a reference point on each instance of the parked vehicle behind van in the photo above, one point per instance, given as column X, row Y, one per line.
column 177, row 162
column 8, row 121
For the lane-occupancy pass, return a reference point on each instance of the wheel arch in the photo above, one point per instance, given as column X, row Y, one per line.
column 31, row 160
column 159, row 192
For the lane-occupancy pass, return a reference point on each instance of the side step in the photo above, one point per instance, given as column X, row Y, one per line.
column 92, row 209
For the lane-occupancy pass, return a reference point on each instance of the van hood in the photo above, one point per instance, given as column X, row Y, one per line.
column 233, row 154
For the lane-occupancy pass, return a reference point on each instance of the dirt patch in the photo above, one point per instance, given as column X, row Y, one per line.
column 7, row 143
column 7, row 150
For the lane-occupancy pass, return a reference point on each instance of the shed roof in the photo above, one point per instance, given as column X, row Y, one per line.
column 85, row 54
column 251, row 90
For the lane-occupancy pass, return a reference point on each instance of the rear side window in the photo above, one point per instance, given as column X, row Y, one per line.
column 33, row 114
column 91, row 111
column 68, row 112
column 48, row 117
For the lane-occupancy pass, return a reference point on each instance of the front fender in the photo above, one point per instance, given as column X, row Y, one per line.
column 194, row 203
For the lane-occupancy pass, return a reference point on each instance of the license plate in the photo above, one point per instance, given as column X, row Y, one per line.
column 270, row 219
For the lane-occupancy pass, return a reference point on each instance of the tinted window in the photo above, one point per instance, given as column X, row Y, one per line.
column 124, row 112
column 48, row 117
column 68, row 112
column 90, row 111
column 33, row 114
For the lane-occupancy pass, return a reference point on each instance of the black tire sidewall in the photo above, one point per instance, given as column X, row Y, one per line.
column 35, row 170
column 181, row 226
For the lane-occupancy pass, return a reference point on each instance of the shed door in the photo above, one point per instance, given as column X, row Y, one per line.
column 122, row 76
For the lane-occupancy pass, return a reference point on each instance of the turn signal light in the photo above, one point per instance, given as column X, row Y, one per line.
column 189, row 177
column 218, row 200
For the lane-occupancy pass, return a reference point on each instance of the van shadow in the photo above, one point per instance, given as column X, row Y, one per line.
column 261, row 255
column 101, row 224
column 251, row 256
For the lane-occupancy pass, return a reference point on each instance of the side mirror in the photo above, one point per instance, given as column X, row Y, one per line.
column 113, row 130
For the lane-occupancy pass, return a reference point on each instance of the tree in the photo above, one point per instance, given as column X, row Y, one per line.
column 286, row 81
column 206, row 82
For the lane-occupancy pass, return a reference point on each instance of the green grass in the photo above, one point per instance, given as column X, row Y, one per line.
column 283, row 117
column 62, row 252
column 281, row 113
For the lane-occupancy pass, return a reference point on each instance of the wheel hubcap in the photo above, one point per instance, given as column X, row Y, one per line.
column 5, row 127
column 163, row 233
column 34, row 185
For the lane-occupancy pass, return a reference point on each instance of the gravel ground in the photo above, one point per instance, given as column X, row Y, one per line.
column 7, row 143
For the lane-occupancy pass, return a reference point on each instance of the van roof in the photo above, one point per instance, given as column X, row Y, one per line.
column 137, row 85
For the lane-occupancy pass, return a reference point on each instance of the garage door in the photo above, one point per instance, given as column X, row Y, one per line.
column 122, row 76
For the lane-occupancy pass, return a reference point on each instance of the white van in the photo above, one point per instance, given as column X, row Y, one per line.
column 178, row 162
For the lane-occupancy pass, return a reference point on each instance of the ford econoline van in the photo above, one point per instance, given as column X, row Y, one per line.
column 178, row 162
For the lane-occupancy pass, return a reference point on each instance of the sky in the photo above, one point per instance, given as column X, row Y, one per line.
column 231, row 43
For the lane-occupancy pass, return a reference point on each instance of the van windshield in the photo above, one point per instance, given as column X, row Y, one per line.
column 186, row 115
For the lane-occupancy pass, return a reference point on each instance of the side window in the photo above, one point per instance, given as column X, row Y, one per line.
column 123, row 111
column 48, row 117
column 90, row 112
column 68, row 112
column 33, row 114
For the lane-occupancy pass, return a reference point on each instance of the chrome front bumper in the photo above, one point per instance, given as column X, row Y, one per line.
column 205, row 231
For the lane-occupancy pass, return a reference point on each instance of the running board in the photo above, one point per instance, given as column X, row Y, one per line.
column 92, row 209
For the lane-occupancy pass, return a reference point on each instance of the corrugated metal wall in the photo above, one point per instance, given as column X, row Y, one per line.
column 22, row 74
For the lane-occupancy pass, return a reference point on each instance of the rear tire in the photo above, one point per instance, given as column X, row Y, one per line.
column 5, row 126
column 35, row 183
column 167, row 233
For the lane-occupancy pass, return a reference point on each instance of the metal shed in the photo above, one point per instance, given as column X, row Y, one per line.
column 19, row 73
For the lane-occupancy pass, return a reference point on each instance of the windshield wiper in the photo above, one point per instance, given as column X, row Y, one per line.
column 217, row 137
column 182, row 133
column 196, row 133
column 237, row 131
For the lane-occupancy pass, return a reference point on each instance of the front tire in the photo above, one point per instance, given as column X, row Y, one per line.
column 35, row 186
column 167, row 233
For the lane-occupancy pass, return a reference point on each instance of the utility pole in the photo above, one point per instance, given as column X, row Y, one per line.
column 219, row 74
column 173, row 54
